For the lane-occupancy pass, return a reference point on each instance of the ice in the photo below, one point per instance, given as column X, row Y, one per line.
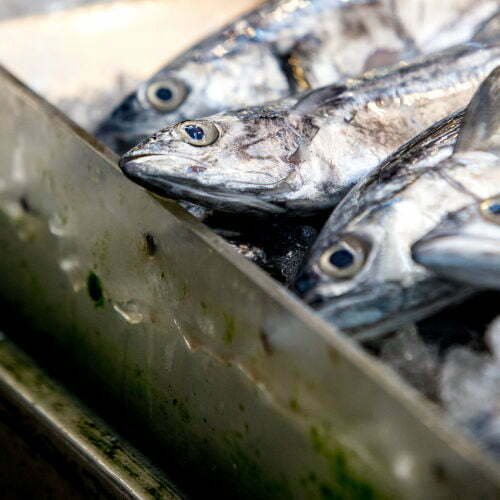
column 470, row 394
column 464, row 383
column 454, row 368
column 413, row 359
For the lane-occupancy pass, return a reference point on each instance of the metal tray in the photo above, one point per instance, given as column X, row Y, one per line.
column 194, row 348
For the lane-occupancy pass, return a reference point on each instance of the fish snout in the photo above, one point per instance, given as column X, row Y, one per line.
column 134, row 159
column 129, row 167
column 137, row 163
column 473, row 260
column 305, row 285
column 363, row 309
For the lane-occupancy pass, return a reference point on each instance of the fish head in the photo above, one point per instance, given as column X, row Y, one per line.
column 193, row 86
column 361, row 276
column 150, row 107
column 465, row 246
column 227, row 162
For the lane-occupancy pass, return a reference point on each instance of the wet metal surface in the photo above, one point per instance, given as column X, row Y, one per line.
column 53, row 447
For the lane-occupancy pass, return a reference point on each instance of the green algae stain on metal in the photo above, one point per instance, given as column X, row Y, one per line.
column 110, row 446
column 92, row 432
column 229, row 328
column 250, row 473
column 294, row 405
column 101, row 440
column 344, row 483
column 94, row 289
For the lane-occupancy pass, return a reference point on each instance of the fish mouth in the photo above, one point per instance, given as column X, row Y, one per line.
column 357, row 312
column 374, row 312
column 180, row 188
column 466, row 258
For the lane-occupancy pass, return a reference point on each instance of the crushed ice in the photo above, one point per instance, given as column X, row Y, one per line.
column 462, row 378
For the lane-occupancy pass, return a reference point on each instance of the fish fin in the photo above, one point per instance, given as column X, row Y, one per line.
column 307, row 131
column 317, row 98
column 480, row 130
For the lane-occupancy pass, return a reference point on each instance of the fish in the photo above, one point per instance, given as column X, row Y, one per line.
column 465, row 246
column 300, row 157
column 361, row 274
column 284, row 47
column 248, row 61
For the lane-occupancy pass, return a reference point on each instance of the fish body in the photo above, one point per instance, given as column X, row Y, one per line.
column 361, row 275
column 300, row 157
column 285, row 46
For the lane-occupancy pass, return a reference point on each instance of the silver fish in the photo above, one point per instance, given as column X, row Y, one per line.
column 302, row 157
column 286, row 46
column 466, row 245
column 248, row 61
column 361, row 275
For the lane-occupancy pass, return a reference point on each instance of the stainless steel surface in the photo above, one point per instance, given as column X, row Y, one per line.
column 53, row 447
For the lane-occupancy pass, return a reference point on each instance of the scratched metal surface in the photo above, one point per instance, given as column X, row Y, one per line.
column 187, row 341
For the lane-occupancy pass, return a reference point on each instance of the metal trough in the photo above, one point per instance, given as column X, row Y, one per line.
column 194, row 349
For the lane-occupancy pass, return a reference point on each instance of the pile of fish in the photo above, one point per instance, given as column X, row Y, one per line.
column 352, row 149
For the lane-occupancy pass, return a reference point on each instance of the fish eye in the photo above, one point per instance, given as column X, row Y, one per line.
column 490, row 209
column 344, row 259
column 166, row 95
column 198, row 133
